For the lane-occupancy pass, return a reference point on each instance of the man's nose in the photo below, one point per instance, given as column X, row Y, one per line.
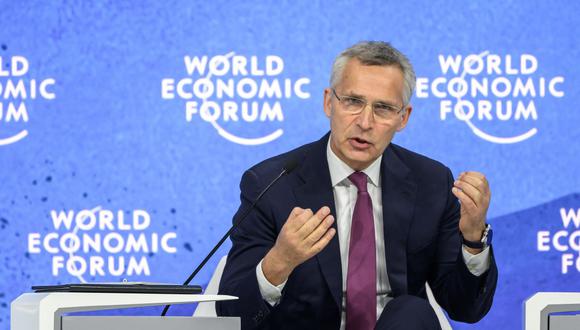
column 366, row 117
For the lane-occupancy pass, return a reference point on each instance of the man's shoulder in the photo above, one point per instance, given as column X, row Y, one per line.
column 277, row 163
column 418, row 164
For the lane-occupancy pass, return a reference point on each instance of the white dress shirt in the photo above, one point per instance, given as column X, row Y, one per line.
column 345, row 195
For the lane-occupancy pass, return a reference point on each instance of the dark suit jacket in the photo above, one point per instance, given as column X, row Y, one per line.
column 421, row 231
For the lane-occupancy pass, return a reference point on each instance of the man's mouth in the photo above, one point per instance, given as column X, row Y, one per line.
column 359, row 143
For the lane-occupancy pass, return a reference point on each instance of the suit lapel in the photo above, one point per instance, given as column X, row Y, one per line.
column 315, row 193
column 398, row 194
column 398, row 197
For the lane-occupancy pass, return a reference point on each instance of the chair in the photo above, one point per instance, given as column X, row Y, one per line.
column 539, row 307
column 208, row 308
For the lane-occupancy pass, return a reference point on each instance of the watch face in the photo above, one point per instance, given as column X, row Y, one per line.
column 489, row 236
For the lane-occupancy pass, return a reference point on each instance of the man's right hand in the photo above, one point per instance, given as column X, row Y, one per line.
column 303, row 236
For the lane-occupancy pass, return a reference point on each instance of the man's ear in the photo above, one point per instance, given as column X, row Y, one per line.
column 327, row 102
column 405, row 117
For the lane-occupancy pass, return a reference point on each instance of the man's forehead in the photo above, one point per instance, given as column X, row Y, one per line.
column 355, row 69
column 358, row 79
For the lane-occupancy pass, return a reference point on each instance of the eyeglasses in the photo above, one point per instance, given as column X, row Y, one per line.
column 354, row 105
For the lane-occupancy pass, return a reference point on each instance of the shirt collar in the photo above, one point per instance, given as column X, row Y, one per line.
column 339, row 170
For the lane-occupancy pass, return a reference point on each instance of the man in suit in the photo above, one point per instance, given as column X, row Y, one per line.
column 349, row 238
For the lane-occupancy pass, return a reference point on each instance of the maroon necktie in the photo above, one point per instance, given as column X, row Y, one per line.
column 361, row 281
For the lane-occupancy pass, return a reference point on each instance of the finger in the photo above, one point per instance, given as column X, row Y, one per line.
column 466, row 201
column 469, row 190
column 297, row 218
column 483, row 187
column 466, row 182
column 478, row 175
column 323, row 242
column 313, row 222
column 472, row 180
column 479, row 181
column 320, row 230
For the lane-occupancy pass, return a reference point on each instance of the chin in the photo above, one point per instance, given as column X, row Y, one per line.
column 361, row 157
column 358, row 163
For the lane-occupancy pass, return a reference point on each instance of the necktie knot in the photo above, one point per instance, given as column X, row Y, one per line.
column 359, row 179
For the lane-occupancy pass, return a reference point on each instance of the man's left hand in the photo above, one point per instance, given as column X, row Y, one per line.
column 472, row 189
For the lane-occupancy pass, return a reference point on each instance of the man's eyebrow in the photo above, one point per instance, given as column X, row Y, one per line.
column 358, row 96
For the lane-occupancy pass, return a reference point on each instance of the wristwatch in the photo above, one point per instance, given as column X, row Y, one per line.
column 485, row 240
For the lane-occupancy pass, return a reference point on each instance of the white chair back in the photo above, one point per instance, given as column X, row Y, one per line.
column 207, row 309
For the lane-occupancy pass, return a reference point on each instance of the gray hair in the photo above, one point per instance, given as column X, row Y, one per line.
column 376, row 53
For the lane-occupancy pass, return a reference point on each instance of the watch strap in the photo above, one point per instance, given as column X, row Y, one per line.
column 483, row 243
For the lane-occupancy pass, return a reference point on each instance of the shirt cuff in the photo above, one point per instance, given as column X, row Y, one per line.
column 478, row 263
column 270, row 293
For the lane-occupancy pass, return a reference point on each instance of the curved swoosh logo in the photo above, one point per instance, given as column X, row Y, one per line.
column 488, row 137
column 14, row 138
column 237, row 139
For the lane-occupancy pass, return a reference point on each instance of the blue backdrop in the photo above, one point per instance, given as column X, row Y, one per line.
column 125, row 126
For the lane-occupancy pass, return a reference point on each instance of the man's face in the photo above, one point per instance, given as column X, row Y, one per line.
column 358, row 139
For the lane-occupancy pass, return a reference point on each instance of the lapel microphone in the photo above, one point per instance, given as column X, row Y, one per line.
column 289, row 166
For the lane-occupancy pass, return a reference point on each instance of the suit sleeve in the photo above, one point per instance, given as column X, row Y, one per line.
column 250, row 242
column 465, row 297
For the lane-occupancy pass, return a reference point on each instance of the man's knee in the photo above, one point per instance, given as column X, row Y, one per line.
column 408, row 312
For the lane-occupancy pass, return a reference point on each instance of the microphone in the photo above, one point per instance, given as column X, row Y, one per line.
column 289, row 166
